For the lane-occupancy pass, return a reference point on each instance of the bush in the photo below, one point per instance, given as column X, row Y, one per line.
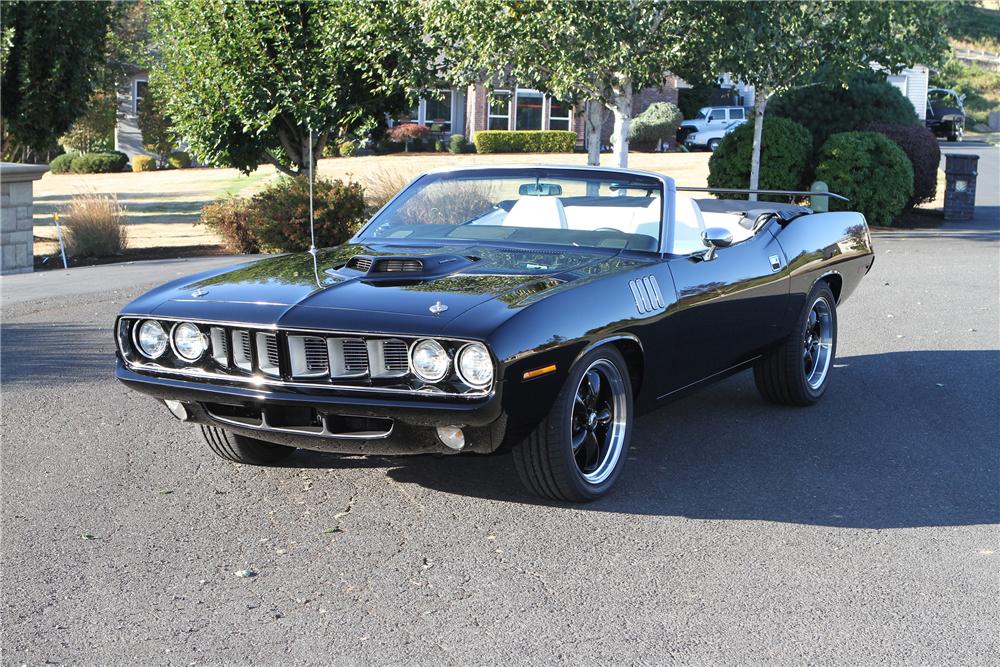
column 829, row 109
column 347, row 148
column 382, row 186
column 230, row 219
column 95, row 226
column 655, row 126
column 409, row 134
column 456, row 143
column 439, row 146
column 94, row 131
column 784, row 158
column 179, row 160
column 143, row 163
column 99, row 163
column 63, row 164
column 525, row 141
column 870, row 170
column 924, row 153
column 280, row 213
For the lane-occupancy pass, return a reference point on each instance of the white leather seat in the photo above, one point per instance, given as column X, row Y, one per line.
column 688, row 226
column 540, row 212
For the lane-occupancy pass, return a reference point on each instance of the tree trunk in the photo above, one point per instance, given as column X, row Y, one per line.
column 593, row 119
column 622, row 111
column 760, row 103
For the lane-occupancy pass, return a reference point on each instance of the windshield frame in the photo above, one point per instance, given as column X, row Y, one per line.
column 666, row 184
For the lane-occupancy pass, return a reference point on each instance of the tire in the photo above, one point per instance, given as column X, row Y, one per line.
column 598, row 416
column 797, row 372
column 241, row 449
column 713, row 144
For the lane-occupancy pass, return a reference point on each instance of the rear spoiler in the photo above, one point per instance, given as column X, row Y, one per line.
column 789, row 193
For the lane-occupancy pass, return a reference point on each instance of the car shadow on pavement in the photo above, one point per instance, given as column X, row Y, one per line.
column 902, row 439
column 55, row 353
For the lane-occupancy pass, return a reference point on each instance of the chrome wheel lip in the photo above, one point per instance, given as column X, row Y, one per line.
column 817, row 343
column 612, row 443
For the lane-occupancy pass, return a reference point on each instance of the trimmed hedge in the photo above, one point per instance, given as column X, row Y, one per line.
column 870, row 170
column 279, row 216
column 99, row 163
column 830, row 109
column 784, row 159
column 655, row 126
column 143, row 163
column 179, row 160
column 63, row 164
column 525, row 141
column 230, row 219
column 924, row 152
column 456, row 143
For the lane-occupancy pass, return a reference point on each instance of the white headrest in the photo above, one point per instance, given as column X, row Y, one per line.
column 537, row 212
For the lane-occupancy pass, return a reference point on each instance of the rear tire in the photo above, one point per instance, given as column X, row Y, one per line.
column 578, row 451
column 241, row 449
column 797, row 372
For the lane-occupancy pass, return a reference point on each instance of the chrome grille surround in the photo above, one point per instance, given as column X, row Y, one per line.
column 265, row 355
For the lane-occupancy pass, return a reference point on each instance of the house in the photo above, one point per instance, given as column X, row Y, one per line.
column 913, row 82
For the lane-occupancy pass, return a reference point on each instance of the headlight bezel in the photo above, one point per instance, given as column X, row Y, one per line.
column 136, row 336
column 430, row 378
column 463, row 376
column 175, row 348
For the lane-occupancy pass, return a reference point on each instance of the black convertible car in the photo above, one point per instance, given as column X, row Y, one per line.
column 537, row 308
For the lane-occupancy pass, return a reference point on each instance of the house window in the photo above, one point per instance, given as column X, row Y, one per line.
column 437, row 112
column 528, row 114
column 499, row 111
column 141, row 85
column 559, row 115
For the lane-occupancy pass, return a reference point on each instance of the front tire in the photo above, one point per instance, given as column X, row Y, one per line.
column 797, row 372
column 577, row 452
column 713, row 144
column 241, row 449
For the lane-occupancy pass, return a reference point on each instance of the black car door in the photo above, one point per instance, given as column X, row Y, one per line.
column 728, row 309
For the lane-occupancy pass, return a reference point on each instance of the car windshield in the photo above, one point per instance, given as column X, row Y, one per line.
column 702, row 113
column 572, row 207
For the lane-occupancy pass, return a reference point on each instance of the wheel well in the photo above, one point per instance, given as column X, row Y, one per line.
column 836, row 283
column 633, row 358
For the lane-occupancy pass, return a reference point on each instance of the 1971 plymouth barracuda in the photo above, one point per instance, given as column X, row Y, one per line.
column 535, row 308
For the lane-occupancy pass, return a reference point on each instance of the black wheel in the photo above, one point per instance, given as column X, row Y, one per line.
column 579, row 449
column 713, row 144
column 241, row 449
column 798, row 371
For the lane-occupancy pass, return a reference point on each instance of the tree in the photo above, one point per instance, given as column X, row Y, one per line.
column 244, row 82
column 157, row 134
column 51, row 67
column 588, row 52
column 94, row 130
column 779, row 45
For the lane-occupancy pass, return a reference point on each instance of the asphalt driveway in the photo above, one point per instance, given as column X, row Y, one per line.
column 864, row 529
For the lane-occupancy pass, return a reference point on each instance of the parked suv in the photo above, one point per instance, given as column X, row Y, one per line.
column 711, row 118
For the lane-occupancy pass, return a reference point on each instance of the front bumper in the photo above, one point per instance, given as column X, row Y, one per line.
column 411, row 420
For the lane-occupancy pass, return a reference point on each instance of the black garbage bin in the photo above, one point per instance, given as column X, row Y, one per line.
column 960, row 172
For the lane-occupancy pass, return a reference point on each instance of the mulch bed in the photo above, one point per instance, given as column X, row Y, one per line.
column 48, row 262
column 916, row 218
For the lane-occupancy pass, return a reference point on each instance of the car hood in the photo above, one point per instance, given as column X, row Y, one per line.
column 299, row 288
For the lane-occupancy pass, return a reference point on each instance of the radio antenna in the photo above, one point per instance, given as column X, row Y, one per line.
column 312, row 226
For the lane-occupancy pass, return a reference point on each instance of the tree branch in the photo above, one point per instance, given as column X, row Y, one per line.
column 280, row 167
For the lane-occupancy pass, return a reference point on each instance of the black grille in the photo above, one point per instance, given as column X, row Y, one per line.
column 395, row 354
column 271, row 344
column 355, row 355
column 360, row 263
column 399, row 265
column 316, row 358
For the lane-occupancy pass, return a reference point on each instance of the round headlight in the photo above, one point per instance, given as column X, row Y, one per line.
column 429, row 360
column 475, row 366
column 189, row 342
column 151, row 339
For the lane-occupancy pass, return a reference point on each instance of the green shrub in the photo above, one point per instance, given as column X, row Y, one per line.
column 347, row 148
column 525, row 141
column 439, row 146
column 95, row 226
column 870, row 170
column 143, row 163
column 924, row 153
column 99, row 163
column 456, row 143
column 280, row 213
column 784, row 158
column 655, row 126
column 179, row 160
column 230, row 219
column 63, row 164
column 94, row 131
column 829, row 109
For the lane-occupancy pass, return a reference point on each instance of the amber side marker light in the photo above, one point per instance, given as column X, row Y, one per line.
column 539, row 371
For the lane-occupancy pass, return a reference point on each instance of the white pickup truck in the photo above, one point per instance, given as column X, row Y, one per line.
column 711, row 118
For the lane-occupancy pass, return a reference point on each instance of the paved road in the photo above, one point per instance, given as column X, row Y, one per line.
column 861, row 530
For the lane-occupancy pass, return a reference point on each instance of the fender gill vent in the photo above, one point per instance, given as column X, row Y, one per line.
column 361, row 264
column 398, row 265
column 646, row 293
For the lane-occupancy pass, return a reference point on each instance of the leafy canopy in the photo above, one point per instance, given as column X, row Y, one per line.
column 244, row 81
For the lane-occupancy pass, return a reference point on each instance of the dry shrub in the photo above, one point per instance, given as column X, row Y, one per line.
column 448, row 203
column 230, row 219
column 381, row 186
column 95, row 226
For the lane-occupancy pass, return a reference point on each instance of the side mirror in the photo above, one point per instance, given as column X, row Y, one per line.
column 714, row 238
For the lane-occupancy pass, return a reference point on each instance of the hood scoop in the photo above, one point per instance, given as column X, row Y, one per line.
column 396, row 268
